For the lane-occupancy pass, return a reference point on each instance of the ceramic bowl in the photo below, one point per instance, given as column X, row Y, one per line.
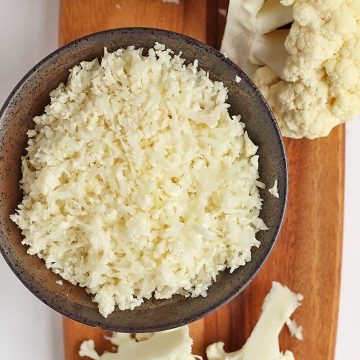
column 29, row 99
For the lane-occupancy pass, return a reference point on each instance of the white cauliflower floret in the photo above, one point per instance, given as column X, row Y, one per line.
column 308, row 73
column 263, row 343
column 165, row 345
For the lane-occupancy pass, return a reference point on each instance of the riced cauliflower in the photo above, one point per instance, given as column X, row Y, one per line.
column 309, row 72
column 274, row 190
column 137, row 182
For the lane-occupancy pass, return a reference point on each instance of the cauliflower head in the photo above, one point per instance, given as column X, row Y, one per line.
column 310, row 72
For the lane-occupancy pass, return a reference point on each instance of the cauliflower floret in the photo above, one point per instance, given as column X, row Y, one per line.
column 165, row 345
column 263, row 342
column 308, row 73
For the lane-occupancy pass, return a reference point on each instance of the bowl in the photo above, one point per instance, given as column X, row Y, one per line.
column 29, row 98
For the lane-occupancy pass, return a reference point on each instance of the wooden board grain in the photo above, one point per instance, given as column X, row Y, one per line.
column 307, row 256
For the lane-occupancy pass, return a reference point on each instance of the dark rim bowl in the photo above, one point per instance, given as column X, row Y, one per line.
column 29, row 99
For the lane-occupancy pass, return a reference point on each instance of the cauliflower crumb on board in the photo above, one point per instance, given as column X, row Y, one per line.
column 237, row 79
column 274, row 190
column 309, row 71
column 59, row 282
column 263, row 343
column 137, row 182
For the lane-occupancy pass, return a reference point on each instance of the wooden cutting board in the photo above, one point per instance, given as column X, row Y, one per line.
column 307, row 256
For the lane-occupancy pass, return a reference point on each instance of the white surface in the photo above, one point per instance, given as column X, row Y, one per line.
column 349, row 317
column 29, row 329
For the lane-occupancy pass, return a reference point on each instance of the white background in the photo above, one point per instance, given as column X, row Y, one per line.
column 28, row 328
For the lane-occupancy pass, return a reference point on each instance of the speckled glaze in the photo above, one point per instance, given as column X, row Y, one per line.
column 29, row 99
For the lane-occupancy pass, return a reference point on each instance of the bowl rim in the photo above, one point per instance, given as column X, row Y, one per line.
column 222, row 300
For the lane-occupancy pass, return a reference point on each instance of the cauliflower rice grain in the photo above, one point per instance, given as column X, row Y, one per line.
column 137, row 182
